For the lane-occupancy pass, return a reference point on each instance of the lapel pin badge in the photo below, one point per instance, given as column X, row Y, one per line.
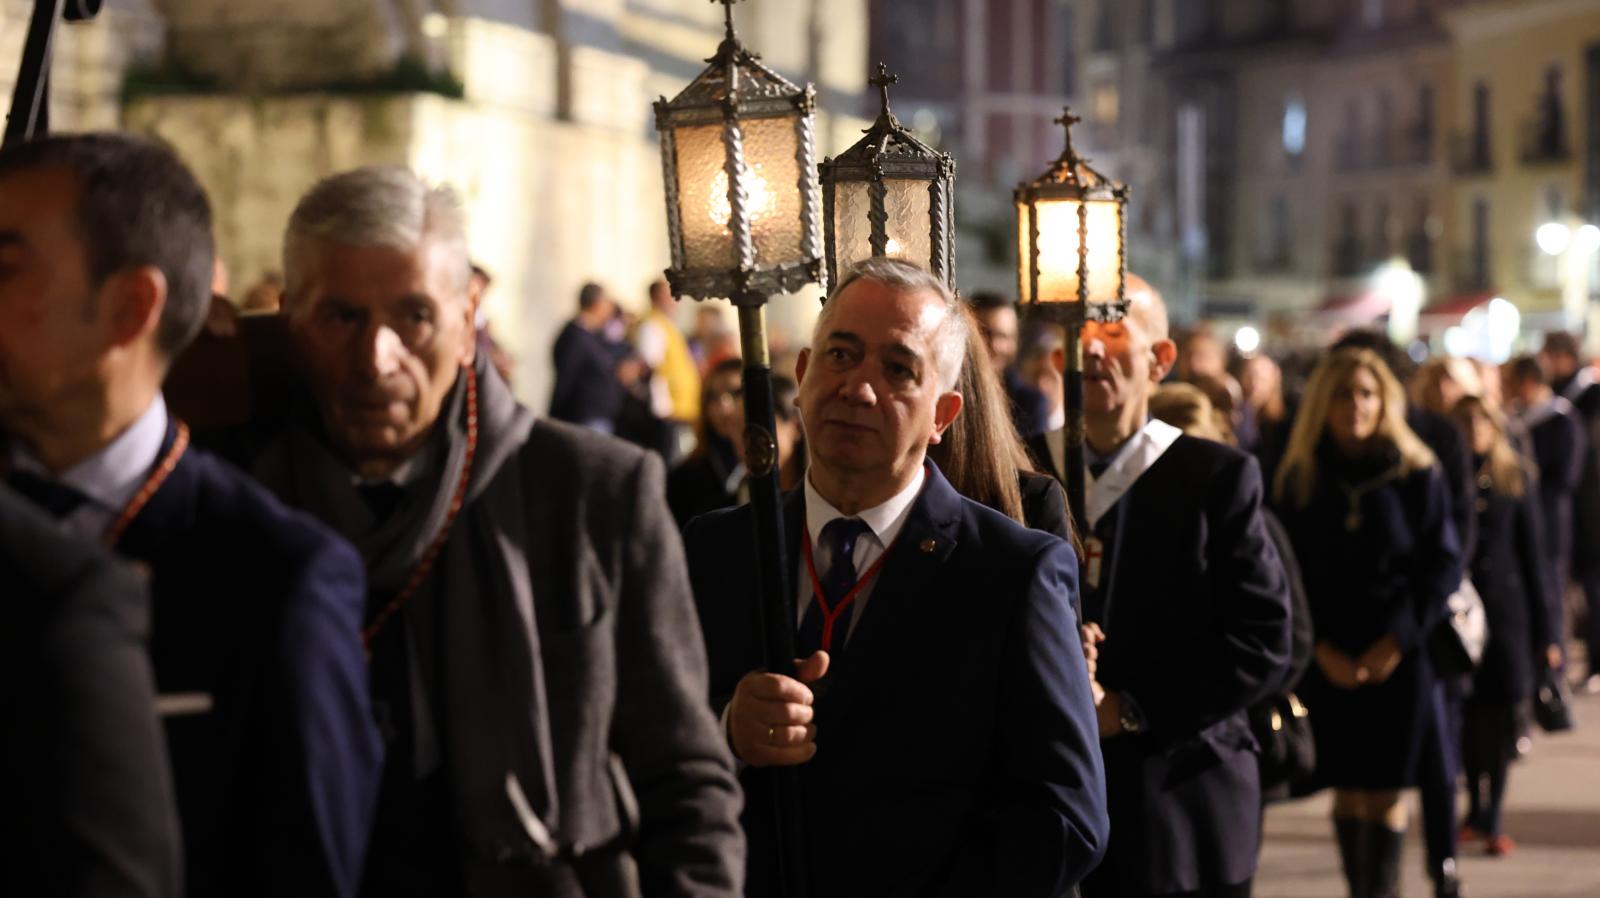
column 928, row 545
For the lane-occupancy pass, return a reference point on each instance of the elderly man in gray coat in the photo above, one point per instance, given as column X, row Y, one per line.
column 537, row 668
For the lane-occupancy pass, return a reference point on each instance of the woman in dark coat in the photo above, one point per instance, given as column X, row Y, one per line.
column 709, row 478
column 1509, row 571
column 1369, row 515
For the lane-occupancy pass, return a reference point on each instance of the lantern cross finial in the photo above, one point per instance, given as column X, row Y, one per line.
column 1066, row 119
column 881, row 81
column 727, row 13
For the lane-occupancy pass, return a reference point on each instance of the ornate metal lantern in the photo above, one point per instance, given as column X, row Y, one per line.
column 1071, row 236
column 890, row 195
column 738, row 158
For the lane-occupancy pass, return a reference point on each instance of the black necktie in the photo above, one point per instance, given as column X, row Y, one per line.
column 54, row 497
column 839, row 538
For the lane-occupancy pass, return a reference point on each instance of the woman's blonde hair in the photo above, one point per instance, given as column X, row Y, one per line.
column 1425, row 383
column 1297, row 475
column 1507, row 473
column 1188, row 408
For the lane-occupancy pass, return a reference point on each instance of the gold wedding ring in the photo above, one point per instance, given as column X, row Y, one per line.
column 772, row 733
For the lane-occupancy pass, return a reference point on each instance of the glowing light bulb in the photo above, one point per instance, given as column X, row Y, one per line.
column 892, row 248
column 758, row 199
column 1553, row 237
column 1247, row 338
column 1586, row 240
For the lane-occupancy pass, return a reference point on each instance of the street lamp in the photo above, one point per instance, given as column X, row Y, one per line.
column 739, row 169
column 889, row 195
column 1574, row 245
column 1072, row 266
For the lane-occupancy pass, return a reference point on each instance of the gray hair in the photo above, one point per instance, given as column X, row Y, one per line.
column 949, row 342
column 383, row 206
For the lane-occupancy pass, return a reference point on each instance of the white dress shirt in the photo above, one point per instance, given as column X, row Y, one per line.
column 883, row 525
column 110, row 477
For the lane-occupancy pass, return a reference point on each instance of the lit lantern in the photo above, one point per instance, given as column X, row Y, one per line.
column 739, row 165
column 890, row 195
column 1071, row 232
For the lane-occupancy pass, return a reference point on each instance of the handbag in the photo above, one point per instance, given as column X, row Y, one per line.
column 1552, row 703
column 1282, row 727
column 1456, row 645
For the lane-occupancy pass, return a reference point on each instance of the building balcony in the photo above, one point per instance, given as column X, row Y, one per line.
column 1470, row 155
column 1470, row 270
column 1543, row 142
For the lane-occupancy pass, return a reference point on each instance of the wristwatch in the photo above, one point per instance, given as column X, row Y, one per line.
column 1129, row 715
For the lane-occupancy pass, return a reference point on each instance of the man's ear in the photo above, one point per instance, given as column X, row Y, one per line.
column 800, row 363
column 1058, row 360
column 945, row 410
column 131, row 302
column 1164, row 353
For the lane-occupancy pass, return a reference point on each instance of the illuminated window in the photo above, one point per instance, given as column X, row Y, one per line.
column 1107, row 104
column 1294, row 126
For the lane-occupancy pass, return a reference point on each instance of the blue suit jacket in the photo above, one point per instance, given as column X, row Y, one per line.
column 957, row 749
column 259, row 607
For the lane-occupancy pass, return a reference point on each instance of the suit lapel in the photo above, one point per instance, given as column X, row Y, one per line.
column 910, row 574
column 169, row 511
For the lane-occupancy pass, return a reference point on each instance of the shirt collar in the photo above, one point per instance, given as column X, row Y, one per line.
column 884, row 519
column 110, row 477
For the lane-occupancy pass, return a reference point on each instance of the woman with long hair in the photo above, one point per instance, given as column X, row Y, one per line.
column 1524, row 614
column 985, row 460
column 1369, row 515
column 1442, row 381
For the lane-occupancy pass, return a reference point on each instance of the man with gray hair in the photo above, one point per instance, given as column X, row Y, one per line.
column 990, row 781
column 536, row 669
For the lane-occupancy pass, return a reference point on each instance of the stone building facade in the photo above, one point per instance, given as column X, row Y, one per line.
column 537, row 111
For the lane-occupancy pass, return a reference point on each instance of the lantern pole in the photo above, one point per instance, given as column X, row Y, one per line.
column 30, row 99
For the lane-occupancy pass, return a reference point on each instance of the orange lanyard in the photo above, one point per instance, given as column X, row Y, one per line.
column 424, row 566
column 113, row 534
column 830, row 615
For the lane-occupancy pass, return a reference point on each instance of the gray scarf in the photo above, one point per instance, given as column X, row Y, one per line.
column 475, row 609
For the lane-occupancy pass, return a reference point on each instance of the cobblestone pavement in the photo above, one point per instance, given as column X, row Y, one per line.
column 1552, row 812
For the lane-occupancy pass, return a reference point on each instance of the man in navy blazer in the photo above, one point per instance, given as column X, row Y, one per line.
column 1183, row 580
column 105, row 266
column 942, row 717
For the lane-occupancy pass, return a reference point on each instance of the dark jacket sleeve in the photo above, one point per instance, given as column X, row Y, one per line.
column 1455, row 463
column 1250, row 598
column 1437, row 564
column 1302, row 635
column 1047, row 826
column 1538, row 584
column 327, row 722
column 689, row 841
column 106, row 824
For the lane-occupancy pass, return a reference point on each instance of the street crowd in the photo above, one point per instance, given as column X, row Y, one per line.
column 376, row 629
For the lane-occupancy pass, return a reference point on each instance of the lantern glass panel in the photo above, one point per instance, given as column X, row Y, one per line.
column 1024, row 266
column 770, row 148
column 852, row 230
column 1058, row 250
column 907, row 203
column 703, row 198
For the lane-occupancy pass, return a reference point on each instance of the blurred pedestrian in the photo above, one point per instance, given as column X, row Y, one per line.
column 1200, row 354
column 1510, row 571
column 1007, row 797
column 710, row 477
column 984, row 459
column 84, row 784
column 996, row 317
column 535, row 665
column 674, row 382
column 1181, row 577
column 1559, row 450
column 255, row 636
column 588, row 391
column 265, row 297
column 1577, row 382
column 1368, row 512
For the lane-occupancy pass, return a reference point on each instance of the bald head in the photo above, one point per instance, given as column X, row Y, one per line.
column 1146, row 304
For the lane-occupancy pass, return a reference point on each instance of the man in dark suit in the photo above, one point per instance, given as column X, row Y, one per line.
column 106, row 245
column 997, row 318
column 536, row 667
column 984, row 779
column 1555, row 431
column 88, row 810
column 587, row 390
column 1577, row 382
column 1184, row 581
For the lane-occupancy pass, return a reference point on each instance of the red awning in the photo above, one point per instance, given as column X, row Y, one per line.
column 1457, row 305
column 1356, row 308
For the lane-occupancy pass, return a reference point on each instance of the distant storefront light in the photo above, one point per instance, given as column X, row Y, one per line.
column 1247, row 339
column 1553, row 238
